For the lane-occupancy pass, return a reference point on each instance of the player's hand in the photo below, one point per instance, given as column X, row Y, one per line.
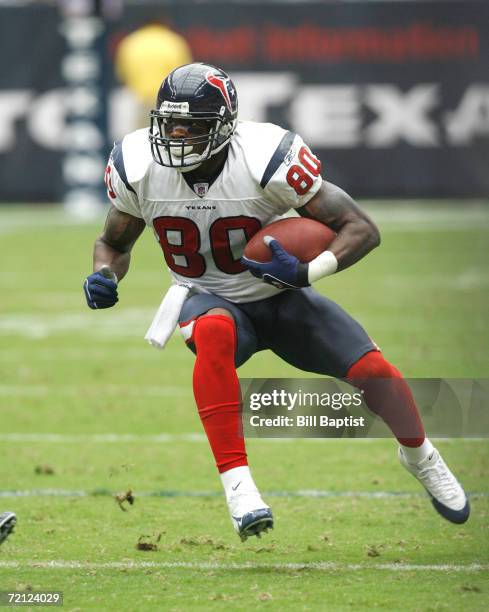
column 284, row 271
column 101, row 289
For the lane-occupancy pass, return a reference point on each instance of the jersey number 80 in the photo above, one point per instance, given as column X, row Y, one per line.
column 180, row 237
column 297, row 177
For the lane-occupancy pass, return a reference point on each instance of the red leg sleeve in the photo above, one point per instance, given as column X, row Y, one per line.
column 216, row 389
column 387, row 394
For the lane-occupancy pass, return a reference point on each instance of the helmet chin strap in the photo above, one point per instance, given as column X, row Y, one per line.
column 199, row 163
column 185, row 154
column 191, row 157
column 184, row 169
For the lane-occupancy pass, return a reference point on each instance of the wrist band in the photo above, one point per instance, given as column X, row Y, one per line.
column 323, row 265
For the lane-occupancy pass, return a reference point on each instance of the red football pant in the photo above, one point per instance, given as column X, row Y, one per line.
column 389, row 398
column 216, row 389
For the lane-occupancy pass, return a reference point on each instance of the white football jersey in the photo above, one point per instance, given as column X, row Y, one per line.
column 203, row 231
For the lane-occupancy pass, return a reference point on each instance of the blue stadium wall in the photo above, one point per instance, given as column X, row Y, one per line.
column 393, row 97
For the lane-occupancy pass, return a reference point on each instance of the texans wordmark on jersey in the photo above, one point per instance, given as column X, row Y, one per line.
column 203, row 232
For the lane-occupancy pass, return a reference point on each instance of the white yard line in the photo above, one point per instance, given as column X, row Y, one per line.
column 410, row 215
column 304, row 493
column 43, row 353
column 416, row 216
column 130, row 322
column 80, row 391
column 104, row 438
column 323, row 566
column 101, row 438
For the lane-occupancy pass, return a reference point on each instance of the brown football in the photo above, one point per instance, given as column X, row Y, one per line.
column 304, row 238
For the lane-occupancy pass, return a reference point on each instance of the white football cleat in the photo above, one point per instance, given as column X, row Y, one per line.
column 447, row 495
column 250, row 515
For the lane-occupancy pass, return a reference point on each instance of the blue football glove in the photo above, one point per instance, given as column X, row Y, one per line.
column 284, row 271
column 101, row 289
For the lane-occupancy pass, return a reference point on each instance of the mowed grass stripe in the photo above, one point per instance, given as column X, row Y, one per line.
column 322, row 566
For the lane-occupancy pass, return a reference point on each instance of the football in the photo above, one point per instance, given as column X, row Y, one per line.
column 304, row 238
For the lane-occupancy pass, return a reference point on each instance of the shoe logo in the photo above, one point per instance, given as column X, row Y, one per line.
column 234, row 488
column 431, row 456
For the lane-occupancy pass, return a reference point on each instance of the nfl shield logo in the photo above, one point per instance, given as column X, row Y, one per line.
column 201, row 189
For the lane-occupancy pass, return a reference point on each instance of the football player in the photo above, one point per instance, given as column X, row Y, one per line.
column 205, row 182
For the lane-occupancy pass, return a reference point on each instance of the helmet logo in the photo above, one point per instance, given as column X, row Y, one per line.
column 220, row 83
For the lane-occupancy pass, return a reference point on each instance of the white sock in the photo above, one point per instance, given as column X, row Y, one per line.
column 418, row 453
column 237, row 481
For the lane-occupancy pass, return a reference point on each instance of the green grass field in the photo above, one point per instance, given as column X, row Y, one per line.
column 90, row 410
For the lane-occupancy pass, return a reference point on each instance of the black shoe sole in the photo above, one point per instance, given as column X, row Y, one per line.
column 7, row 524
column 454, row 516
column 256, row 528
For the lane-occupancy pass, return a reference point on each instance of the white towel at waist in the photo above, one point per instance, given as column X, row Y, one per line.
column 166, row 318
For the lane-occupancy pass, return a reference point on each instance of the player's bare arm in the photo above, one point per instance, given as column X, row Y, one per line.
column 111, row 257
column 357, row 234
column 113, row 247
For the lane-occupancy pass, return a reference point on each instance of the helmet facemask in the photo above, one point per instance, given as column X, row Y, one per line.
column 180, row 153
